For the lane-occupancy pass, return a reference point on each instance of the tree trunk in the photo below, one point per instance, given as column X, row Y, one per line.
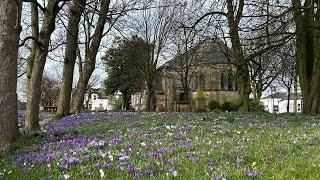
column 150, row 94
column 35, row 34
column 241, row 62
column 41, row 52
column 78, row 95
column 295, row 103
column 70, row 58
column 306, row 18
column 90, row 60
column 125, row 100
column 288, row 101
column 10, row 14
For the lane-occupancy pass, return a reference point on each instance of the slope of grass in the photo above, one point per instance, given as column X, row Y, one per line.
column 169, row 145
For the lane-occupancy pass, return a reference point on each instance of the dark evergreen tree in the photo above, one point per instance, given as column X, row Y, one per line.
column 124, row 64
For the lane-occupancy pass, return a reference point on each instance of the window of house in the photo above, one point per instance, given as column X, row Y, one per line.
column 200, row 83
column 226, row 81
column 222, row 81
column 94, row 97
column 299, row 107
column 230, row 82
column 275, row 108
column 90, row 106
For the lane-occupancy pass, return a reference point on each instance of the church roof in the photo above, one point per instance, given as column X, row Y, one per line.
column 209, row 51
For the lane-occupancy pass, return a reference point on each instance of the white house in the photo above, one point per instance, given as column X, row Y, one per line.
column 277, row 103
column 98, row 100
column 138, row 100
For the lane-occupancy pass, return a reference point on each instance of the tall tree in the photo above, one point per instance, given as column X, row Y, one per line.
column 123, row 64
column 155, row 27
column 10, row 14
column 76, row 10
column 37, row 62
column 307, row 21
column 241, row 63
column 90, row 59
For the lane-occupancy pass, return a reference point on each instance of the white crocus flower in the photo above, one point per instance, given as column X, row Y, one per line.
column 66, row 176
column 101, row 173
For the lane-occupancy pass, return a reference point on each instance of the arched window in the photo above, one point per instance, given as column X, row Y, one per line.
column 226, row 81
column 201, row 81
column 230, row 81
column 222, row 81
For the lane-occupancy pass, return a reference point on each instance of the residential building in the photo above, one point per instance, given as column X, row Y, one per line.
column 97, row 100
column 277, row 103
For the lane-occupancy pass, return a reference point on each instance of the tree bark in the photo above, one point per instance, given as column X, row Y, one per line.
column 150, row 94
column 241, row 63
column 307, row 23
column 35, row 34
column 41, row 52
column 10, row 14
column 288, row 101
column 295, row 104
column 90, row 60
column 126, row 95
column 70, row 58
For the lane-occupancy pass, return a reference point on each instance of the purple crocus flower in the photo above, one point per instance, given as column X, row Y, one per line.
column 190, row 154
column 254, row 173
column 149, row 172
column 130, row 168
column 118, row 168
column 106, row 165
column 158, row 153
column 24, row 170
column 250, row 174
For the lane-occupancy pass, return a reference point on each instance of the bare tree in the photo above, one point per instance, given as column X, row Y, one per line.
column 10, row 15
column 96, row 26
column 90, row 59
column 76, row 11
column 37, row 59
column 155, row 26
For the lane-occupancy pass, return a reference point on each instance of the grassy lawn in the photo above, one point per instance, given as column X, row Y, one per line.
column 169, row 146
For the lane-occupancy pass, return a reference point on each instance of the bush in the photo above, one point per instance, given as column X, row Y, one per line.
column 213, row 105
column 200, row 94
column 255, row 106
column 228, row 106
column 117, row 104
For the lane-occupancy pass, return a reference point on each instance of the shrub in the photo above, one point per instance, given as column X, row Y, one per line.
column 200, row 94
column 255, row 106
column 213, row 105
column 117, row 104
column 228, row 106
column 201, row 101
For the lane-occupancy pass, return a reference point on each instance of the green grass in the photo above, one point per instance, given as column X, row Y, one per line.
column 221, row 145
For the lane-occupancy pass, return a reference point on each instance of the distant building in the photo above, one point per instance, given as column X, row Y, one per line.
column 97, row 100
column 277, row 102
column 210, row 69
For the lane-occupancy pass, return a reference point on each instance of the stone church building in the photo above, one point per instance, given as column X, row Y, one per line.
column 207, row 69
